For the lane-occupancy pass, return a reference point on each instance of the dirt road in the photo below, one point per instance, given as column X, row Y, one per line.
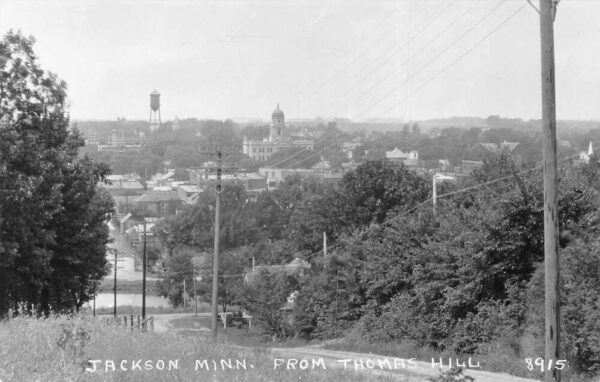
column 400, row 369
column 370, row 364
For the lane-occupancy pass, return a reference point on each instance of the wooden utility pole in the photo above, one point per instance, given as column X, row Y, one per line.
column 185, row 295
column 115, row 286
column 144, row 279
column 115, row 267
column 195, row 297
column 552, row 309
column 215, row 289
column 434, row 197
column 324, row 244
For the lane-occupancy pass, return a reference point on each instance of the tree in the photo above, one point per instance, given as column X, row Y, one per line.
column 53, row 234
column 416, row 130
column 231, row 277
column 377, row 189
column 179, row 267
column 266, row 299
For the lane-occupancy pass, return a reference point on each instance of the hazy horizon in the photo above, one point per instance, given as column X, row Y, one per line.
column 358, row 59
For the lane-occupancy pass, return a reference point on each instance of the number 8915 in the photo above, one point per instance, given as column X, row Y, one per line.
column 543, row 365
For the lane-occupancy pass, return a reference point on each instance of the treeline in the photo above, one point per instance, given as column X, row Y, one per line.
column 457, row 281
column 53, row 231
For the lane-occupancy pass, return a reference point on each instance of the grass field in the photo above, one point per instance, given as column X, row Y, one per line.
column 244, row 336
column 62, row 349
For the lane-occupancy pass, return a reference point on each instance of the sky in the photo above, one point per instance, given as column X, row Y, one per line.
column 359, row 59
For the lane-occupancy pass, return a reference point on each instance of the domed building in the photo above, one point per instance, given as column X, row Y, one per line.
column 277, row 140
column 277, row 128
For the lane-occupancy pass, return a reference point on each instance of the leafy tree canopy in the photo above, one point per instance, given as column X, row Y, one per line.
column 53, row 234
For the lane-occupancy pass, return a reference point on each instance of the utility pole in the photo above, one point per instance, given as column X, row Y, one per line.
column 215, row 289
column 195, row 297
column 144, row 280
column 434, row 198
column 115, row 286
column 115, row 267
column 324, row 244
column 552, row 309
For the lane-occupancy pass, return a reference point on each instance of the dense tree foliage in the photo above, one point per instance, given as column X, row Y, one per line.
column 52, row 223
column 467, row 276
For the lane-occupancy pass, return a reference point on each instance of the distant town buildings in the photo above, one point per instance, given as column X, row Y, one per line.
column 274, row 175
column 160, row 203
column 277, row 140
column 410, row 159
column 502, row 147
column 119, row 144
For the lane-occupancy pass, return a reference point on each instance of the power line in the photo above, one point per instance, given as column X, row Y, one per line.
column 303, row 150
column 357, row 57
column 489, row 34
column 456, row 41
column 407, row 61
column 402, row 214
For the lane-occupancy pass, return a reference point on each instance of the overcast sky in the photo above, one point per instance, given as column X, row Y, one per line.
column 409, row 59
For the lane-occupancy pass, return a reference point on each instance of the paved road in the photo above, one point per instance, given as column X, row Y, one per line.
column 126, row 269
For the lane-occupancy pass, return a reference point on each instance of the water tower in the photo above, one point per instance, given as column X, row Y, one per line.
column 155, row 121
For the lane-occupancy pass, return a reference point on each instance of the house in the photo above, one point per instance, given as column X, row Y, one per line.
column 467, row 166
column 410, row 159
column 135, row 232
column 202, row 178
column 296, row 266
column 160, row 203
column 275, row 175
column 188, row 193
column 444, row 164
column 503, row 146
column 349, row 147
column 507, row 146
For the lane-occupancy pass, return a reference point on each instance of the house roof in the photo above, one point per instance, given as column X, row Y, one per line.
column 396, row 153
column 159, row 177
column 123, row 185
column 291, row 268
column 510, row 146
column 399, row 154
column 158, row 196
column 322, row 165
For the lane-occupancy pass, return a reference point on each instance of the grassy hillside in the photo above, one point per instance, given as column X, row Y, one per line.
column 60, row 349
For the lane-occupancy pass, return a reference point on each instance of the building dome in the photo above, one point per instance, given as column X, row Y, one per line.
column 277, row 114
